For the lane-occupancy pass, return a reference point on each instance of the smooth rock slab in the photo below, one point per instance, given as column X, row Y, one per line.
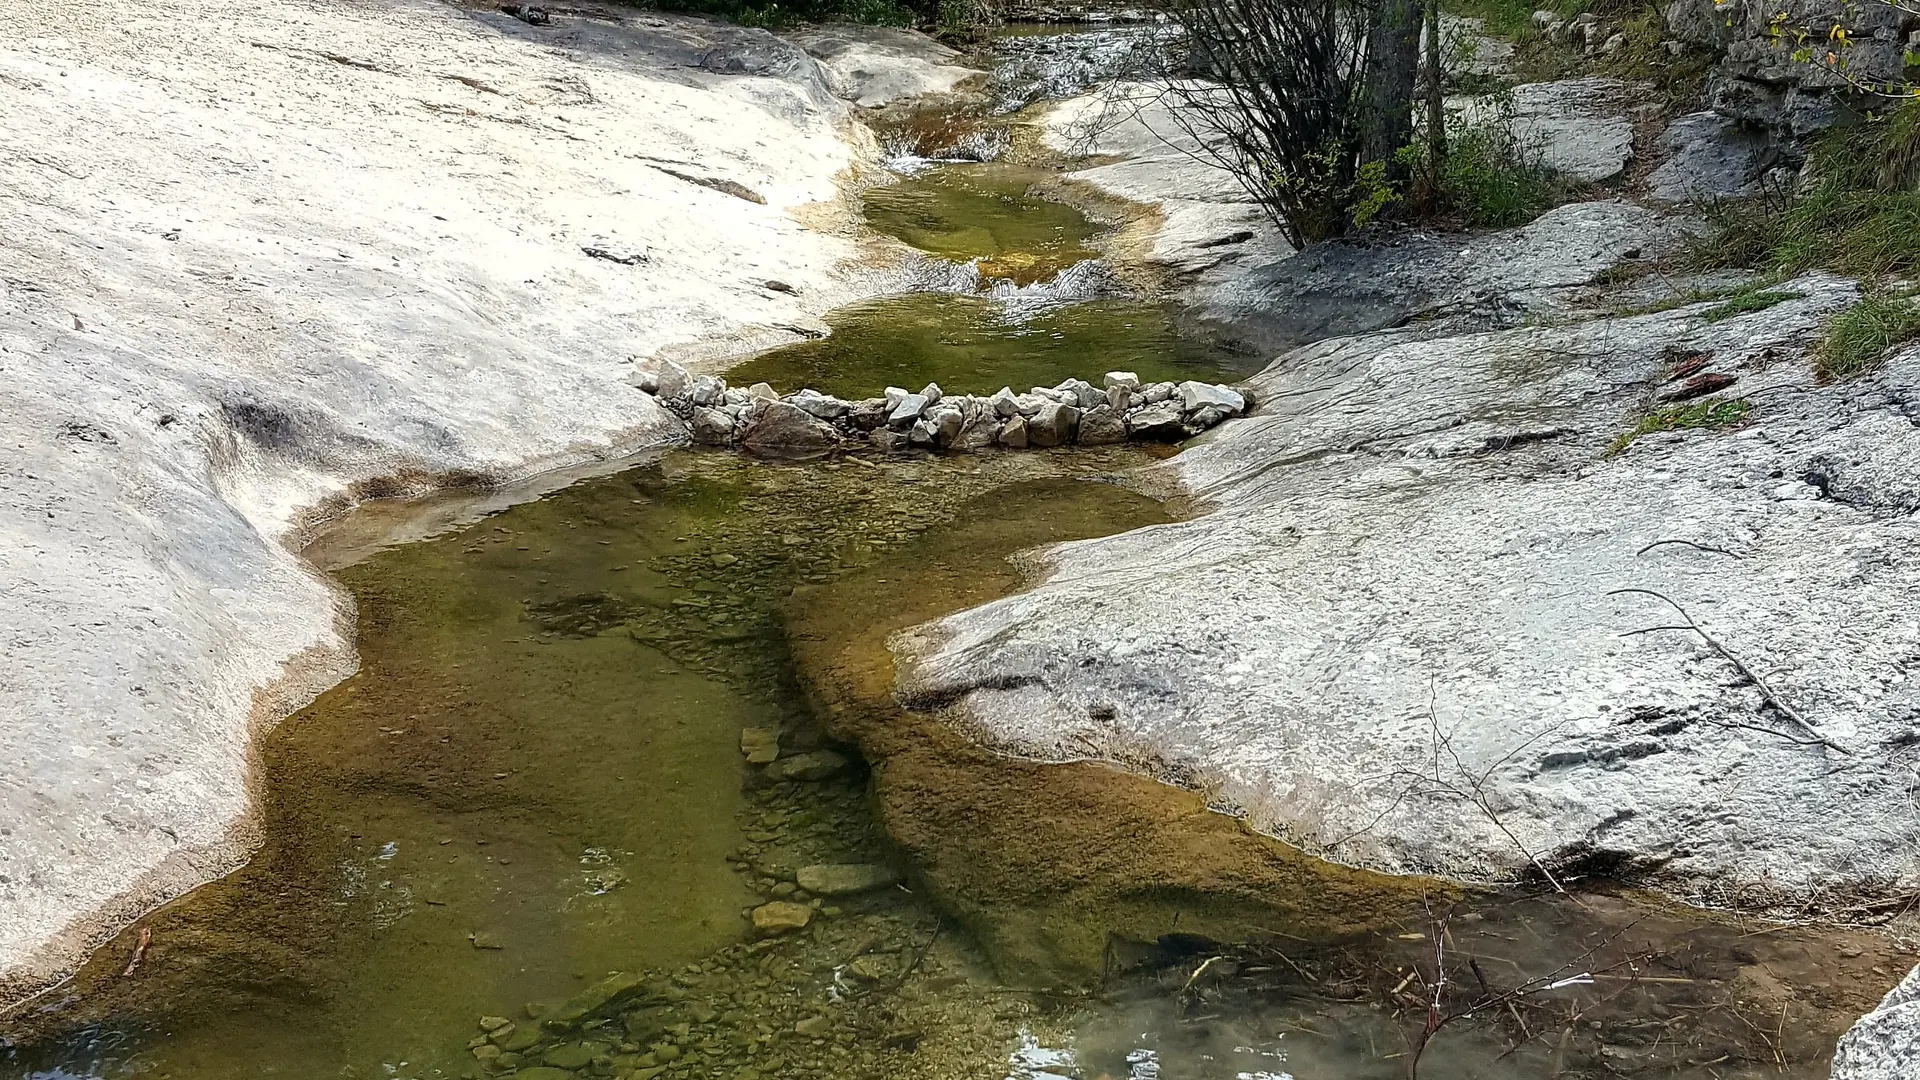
column 1464, row 570
column 266, row 279
column 1713, row 158
column 1579, row 126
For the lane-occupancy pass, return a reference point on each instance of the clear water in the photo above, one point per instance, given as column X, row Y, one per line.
column 976, row 344
column 992, row 213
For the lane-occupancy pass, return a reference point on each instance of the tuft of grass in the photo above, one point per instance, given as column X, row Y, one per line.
column 1860, row 337
column 1710, row 415
column 1745, row 300
column 1861, row 216
column 1753, row 296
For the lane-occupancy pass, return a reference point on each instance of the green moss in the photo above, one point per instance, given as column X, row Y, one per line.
column 1860, row 337
column 1712, row 415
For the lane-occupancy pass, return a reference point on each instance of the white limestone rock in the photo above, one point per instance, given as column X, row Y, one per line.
column 1195, row 396
column 240, row 280
column 908, row 410
column 820, row 406
column 1466, row 567
column 1054, row 425
column 1581, row 126
column 875, row 66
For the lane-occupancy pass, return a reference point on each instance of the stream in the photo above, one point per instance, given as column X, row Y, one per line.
column 619, row 791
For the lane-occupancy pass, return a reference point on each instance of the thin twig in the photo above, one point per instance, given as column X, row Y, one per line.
column 1691, row 544
column 1766, row 692
column 139, row 950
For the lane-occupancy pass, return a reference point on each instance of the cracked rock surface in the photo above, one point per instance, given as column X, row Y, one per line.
column 1396, row 637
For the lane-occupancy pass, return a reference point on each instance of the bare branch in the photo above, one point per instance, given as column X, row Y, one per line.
column 1766, row 692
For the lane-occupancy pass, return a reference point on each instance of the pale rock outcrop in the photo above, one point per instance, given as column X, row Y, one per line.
column 875, row 66
column 1421, row 543
column 270, row 256
column 1713, row 157
column 1209, row 225
column 1763, row 77
column 1579, row 127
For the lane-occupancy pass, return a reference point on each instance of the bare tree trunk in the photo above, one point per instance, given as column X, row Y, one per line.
column 1393, row 63
column 1436, row 91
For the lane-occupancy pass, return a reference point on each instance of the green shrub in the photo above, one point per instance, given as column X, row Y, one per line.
column 1861, row 336
column 1698, row 414
column 1492, row 177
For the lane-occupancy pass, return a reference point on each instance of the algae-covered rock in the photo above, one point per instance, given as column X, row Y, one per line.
column 842, row 879
column 780, row 916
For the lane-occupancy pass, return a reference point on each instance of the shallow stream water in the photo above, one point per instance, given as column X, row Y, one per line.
column 526, row 839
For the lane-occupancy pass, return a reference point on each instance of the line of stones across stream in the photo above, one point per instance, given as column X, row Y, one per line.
column 808, row 422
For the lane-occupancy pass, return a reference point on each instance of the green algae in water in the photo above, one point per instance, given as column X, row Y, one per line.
column 970, row 345
column 541, row 755
column 536, row 778
column 985, row 212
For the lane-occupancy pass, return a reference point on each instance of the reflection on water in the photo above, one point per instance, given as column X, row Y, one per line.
column 987, row 212
column 974, row 345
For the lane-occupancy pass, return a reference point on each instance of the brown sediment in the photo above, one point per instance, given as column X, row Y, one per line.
column 1050, row 865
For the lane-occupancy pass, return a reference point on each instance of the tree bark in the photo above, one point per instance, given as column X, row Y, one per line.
column 1436, row 94
column 1393, row 65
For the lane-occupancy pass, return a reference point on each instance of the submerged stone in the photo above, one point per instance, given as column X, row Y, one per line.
column 817, row 765
column 761, row 745
column 780, row 916
column 845, row 879
column 610, row 990
column 569, row 1056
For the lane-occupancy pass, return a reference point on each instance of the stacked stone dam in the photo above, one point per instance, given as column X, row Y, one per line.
column 809, row 422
